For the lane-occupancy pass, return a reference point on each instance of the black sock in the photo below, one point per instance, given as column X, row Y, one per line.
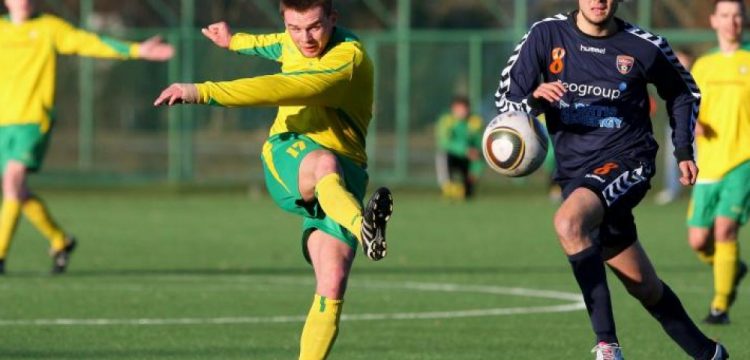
column 678, row 325
column 588, row 268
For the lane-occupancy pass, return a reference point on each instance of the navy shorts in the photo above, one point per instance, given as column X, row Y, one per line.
column 620, row 184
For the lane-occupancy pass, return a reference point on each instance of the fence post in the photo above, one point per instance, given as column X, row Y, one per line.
column 86, row 97
column 403, row 88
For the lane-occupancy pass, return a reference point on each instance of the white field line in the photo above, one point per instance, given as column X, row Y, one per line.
column 575, row 305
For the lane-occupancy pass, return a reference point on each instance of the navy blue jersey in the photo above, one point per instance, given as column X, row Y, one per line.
column 605, row 111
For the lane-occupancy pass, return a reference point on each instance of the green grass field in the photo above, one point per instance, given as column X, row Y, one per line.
column 220, row 276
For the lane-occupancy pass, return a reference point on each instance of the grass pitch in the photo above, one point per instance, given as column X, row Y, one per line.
column 221, row 276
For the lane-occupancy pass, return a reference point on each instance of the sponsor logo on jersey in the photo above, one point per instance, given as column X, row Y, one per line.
column 625, row 64
column 557, row 65
column 586, row 90
column 593, row 49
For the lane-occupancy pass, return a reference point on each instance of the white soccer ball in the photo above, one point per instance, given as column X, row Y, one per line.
column 514, row 143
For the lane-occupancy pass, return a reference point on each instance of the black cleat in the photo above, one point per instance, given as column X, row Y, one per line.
column 61, row 259
column 2, row 266
column 741, row 273
column 375, row 216
column 720, row 353
column 716, row 317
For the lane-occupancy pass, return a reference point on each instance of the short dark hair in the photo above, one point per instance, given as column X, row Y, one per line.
column 303, row 5
column 460, row 99
column 741, row 2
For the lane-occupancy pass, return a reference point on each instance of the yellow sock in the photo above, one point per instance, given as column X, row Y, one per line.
column 705, row 256
column 725, row 269
column 36, row 212
column 9, row 213
column 320, row 329
column 339, row 203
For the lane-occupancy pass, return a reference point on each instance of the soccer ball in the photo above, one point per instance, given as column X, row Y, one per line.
column 514, row 143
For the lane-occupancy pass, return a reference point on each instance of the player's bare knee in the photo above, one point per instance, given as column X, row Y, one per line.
column 647, row 291
column 569, row 228
column 326, row 163
column 725, row 231
column 698, row 240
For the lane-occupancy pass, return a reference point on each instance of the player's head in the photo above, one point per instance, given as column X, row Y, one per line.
column 310, row 23
column 20, row 8
column 598, row 12
column 460, row 107
column 728, row 19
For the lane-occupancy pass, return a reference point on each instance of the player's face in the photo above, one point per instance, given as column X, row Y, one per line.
column 310, row 30
column 598, row 12
column 460, row 110
column 727, row 20
column 20, row 8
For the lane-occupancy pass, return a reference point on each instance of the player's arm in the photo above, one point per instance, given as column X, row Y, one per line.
column 266, row 46
column 520, row 78
column 326, row 86
column 70, row 40
column 678, row 89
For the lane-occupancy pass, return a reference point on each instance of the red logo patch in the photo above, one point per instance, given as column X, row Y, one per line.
column 625, row 64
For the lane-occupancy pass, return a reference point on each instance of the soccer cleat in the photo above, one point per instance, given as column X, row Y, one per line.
column 741, row 273
column 606, row 351
column 61, row 259
column 2, row 266
column 720, row 353
column 716, row 317
column 375, row 216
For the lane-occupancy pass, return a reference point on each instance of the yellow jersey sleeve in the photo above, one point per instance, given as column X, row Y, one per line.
column 69, row 40
column 724, row 80
column 321, row 86
column 266, row 46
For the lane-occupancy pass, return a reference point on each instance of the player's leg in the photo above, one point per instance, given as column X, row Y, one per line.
column 700, row 220
column 636, row 272
column 331, row 259
column 575, row 221
column 442, row 171
column 325, row 177
column 14, row 178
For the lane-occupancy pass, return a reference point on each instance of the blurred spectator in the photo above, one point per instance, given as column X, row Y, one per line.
column 459, row 139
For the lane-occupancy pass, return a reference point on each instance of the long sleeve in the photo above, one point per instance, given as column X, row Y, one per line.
column 325, row 85
column 521, row 75
column 676, row 86
column 267, row 46
column 69, row 40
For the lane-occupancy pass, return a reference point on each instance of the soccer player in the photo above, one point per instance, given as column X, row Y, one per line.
column 459, row 142
column 721, row 198
column 29, row 44
column 588, row 71
column 314, row 158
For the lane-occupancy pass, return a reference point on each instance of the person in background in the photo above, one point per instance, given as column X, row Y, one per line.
column 458, row 161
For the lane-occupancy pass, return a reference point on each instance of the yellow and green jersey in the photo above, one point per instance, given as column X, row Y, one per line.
column 456, row 136
column 724, row 80
column 328, row 98
column 27, row 64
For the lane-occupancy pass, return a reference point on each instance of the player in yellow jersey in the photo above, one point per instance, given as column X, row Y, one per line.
column 314, row 158
column 720, row 202
column 29, row 44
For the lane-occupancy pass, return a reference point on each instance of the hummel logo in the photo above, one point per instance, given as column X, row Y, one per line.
column 592, row 49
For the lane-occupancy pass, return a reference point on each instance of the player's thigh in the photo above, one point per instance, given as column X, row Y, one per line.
column 633, row 267
column 580, row 211
column 734, row 198
column 619, row 185
column 281, row 157
column 25, row 144
column 703, row 205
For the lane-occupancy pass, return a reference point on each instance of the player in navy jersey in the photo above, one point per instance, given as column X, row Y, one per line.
column 587, row 71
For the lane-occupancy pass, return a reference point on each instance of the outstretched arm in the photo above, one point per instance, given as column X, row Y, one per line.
column 70, row 40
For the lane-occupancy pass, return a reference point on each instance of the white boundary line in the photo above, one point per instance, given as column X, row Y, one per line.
column 575, row 303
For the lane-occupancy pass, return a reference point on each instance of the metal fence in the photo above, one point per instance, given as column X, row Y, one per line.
column 108, row 132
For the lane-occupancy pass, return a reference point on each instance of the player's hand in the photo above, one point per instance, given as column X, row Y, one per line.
column 178, row 94
column 699, row 129
column 551, row 91
column 153, row 49
column 689, row 172
column 472, row 154
column 219, row 33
